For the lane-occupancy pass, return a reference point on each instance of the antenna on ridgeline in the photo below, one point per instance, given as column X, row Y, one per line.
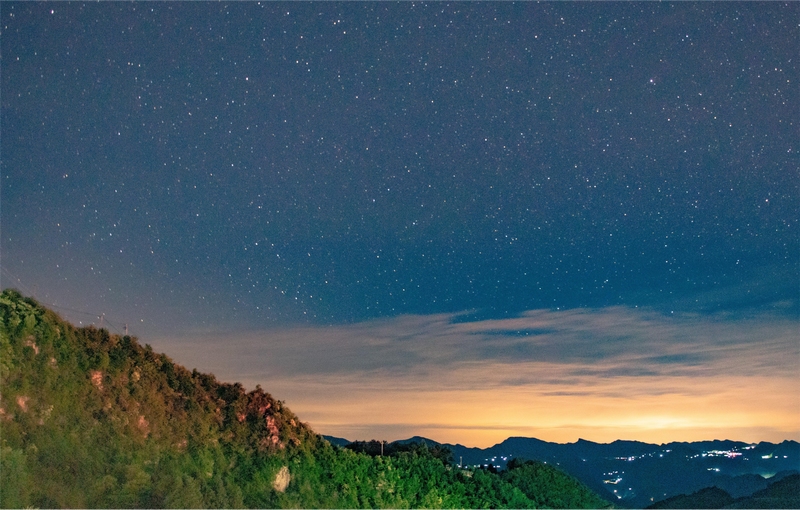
column 102, row 316
column 126, row 329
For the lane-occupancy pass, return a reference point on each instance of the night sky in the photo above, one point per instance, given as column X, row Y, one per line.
column 465, row 221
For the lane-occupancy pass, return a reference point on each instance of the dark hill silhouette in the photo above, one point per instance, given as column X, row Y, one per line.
column 784, row 493
column 710, row 497
column 337, row 441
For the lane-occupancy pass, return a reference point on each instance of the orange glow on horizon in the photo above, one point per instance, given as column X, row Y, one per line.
column 599, row 375
column 486, row 417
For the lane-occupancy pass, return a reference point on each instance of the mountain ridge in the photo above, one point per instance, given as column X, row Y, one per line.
column 709, row 443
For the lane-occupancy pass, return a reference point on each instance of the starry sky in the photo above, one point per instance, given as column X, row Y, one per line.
column 460, row 220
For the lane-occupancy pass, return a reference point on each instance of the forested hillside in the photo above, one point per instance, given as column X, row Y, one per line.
column 90, row 419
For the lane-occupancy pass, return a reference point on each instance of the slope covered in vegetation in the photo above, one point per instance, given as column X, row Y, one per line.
column 89, row 419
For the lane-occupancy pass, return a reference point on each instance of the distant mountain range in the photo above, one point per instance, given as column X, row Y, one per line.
column 637, row 474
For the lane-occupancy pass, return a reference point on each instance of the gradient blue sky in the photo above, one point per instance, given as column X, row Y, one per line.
column 498, row 206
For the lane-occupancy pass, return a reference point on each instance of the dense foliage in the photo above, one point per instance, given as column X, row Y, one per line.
column 89, row 419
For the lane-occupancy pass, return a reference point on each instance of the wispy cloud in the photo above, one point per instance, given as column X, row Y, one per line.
column 610, row 370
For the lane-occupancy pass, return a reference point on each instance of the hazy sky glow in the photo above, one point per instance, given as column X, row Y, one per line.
column 465, row 221
column 604, row 374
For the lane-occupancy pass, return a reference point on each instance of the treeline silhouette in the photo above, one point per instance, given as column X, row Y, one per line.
column 375, row 448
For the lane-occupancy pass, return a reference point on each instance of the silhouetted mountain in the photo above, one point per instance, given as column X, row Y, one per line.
column 710, row 497
column 336, row 441
column 742, row 485
column 784, row 493
column 417, row 440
